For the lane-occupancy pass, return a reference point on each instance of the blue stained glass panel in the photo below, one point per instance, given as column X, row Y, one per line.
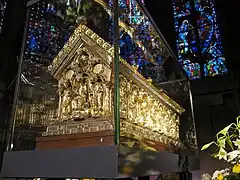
column 192, row 70
column 182, row 9
column 215, row 67
column 52, row 22
column 198, row 37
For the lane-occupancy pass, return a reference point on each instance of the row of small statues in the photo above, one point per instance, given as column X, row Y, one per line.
column 139, row 107
column 84, row 96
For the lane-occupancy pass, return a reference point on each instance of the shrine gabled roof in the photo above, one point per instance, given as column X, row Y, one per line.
column 83, row 34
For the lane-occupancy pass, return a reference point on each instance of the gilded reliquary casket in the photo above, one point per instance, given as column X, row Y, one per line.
column 85, row 77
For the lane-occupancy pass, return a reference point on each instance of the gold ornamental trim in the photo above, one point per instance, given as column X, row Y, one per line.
column 128, row 130
column 83, row 34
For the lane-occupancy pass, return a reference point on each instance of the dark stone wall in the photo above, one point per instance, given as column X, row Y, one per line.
column 215, row 105
column 228, row 18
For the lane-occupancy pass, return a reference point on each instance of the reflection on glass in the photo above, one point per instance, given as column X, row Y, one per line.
column 180, row 91
column 67, row 82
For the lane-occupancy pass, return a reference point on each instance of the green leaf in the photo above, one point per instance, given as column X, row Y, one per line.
column 229, row 142
column 222, row 141
column 206, row 146
column 215, row 155
column 224, row 131
column 238, row 125
column 238, row 119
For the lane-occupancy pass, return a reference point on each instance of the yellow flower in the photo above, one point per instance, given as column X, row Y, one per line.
column 236, row 168
column 220, row 177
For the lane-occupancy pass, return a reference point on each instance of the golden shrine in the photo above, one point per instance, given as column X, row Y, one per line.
column 66, row 108
column 83, row 68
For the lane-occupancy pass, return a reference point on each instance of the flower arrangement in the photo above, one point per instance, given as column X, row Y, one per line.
column 228, row 149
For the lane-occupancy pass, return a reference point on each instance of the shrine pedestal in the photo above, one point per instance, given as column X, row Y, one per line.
column 103, row 138
column 106, row 161
column 91, row 139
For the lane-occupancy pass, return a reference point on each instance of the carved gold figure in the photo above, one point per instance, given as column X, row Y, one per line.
column 84, row 71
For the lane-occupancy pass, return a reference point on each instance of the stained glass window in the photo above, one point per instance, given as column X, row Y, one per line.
column 52, row 22
column 140, row 46
column 199, row 44
column 3, row 5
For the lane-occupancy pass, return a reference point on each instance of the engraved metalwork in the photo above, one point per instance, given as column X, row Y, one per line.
column 85, row 80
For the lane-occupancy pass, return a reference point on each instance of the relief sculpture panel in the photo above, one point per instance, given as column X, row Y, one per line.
column 86, row 85
column 83, row 89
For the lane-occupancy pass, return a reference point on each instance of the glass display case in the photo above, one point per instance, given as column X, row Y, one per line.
column 90, row 81
column 62, row 85
column 98, row 85
column 180, row 91
column 69, row 87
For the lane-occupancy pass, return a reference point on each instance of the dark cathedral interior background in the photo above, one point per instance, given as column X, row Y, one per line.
column 202, row 35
